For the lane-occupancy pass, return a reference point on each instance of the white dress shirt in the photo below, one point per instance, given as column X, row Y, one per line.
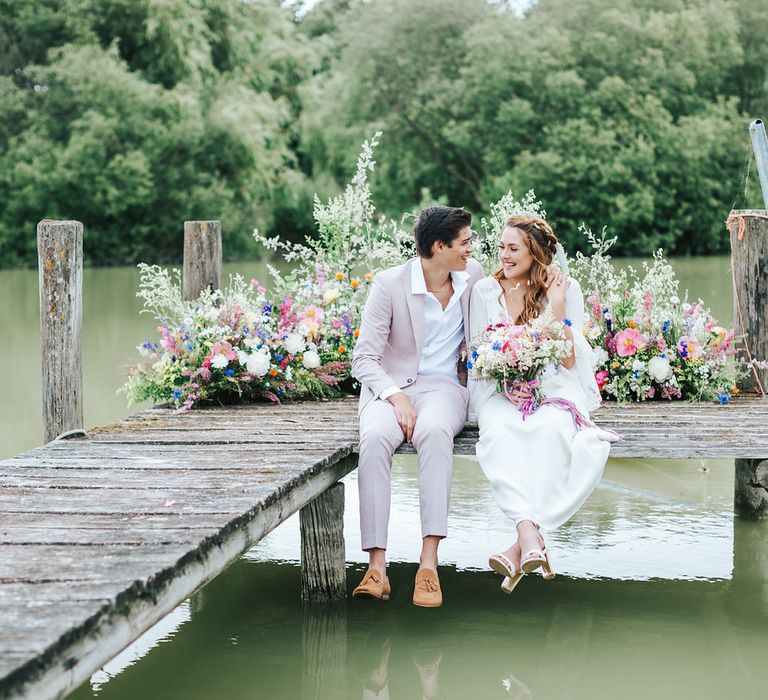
column 443, row 328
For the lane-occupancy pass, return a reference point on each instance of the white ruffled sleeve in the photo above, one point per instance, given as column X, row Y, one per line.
column 480, row 390
column 585, row 358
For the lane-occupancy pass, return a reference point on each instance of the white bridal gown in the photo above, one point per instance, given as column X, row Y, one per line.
column 541, row 469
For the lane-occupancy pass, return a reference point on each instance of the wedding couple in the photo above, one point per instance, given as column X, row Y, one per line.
column 419, row 318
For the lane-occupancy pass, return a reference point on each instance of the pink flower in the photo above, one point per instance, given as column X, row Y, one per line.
column 688, row 348
column 647, row 301
column 224, row 348
column 601, row 378
column 628, row 342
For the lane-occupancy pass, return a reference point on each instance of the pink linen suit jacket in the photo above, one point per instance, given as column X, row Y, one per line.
column 391, row 338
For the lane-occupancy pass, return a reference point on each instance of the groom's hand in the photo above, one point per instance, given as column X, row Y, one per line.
column 405, row 413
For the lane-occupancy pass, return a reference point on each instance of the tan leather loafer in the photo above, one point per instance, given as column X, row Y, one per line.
column 426, row 590
column 373, row 586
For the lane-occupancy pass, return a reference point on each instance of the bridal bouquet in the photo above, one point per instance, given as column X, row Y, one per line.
column 514, row 356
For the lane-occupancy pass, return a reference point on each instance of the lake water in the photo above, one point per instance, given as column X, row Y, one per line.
column 660, row 593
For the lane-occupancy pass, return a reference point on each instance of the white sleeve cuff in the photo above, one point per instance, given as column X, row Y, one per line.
column 384, row 395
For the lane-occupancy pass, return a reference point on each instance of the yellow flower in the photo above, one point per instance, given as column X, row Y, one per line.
column 339, row 275
column 368, row 276
column 614, row 365
column 355, row 284
column 356, row 332
column 342, row 348
column 631, row 324
column 735, row 390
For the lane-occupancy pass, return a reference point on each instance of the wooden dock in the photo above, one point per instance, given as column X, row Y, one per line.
column 101, row 536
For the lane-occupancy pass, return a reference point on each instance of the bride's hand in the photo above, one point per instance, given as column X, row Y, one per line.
column 519, row 396
column 557, row 284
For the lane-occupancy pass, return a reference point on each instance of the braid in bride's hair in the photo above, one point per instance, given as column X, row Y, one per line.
column 542, row 243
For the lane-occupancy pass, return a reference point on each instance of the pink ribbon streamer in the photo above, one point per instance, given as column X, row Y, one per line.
column 531, row 405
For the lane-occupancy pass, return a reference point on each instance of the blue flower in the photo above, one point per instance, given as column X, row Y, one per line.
column 723, row 398
column 496, row 345
column 665, row 326
column 281, row 392
column 267, row 309
column 229, row 372
column 245, row 331
column 469, row 364
column 176, row 394
column 474, row 354
column 278, row 357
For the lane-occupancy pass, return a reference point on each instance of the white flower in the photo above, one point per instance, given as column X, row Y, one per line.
column 188, row 322
column 258, row 363
column 601, row 356
column 331, row 294
column 638, row 365
column 219, row 361
column 311, row 359
column 289, row 373
column 594, row 332
column 294, row 343
column 675, row 299
column 242, row 357
column 659, row 369
column 686, row 308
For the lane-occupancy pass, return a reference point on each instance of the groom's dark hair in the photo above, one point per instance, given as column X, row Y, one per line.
column 438, row 223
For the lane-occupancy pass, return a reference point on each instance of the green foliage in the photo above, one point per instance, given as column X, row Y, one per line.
column 134, row 115
column 138, row 115
column 623, row 113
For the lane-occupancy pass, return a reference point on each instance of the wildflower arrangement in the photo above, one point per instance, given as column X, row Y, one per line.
column 226, row 346
column 244, row 343
column 648, row 343
column 515, row 356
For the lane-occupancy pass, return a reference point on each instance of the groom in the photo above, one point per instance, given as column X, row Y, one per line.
column 407, row 361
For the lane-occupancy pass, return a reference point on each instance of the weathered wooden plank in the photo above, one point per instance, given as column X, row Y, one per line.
column 153, row 578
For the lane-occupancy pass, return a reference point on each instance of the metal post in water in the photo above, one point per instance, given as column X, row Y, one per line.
column 760, row 147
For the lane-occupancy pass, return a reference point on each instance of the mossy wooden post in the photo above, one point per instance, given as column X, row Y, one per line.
column 748, row 230
column 202, row 257
column 323, row 559
column 60, row 261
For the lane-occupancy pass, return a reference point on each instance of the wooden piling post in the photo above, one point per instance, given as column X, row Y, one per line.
column 60, row 264
column 324, row 651
column 202, row 257
column 323, row 559
column 748, row 230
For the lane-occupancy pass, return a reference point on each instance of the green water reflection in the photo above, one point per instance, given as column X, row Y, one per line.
column 249, row 638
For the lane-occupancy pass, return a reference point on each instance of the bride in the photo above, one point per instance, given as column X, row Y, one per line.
column 541, row 469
